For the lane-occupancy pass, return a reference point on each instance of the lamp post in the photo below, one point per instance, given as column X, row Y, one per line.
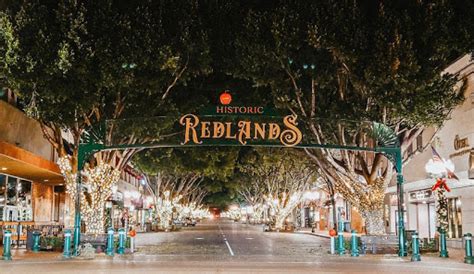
column 440, row 169
column 77, row 216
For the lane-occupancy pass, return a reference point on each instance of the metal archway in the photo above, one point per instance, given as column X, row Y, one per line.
column 193, row 130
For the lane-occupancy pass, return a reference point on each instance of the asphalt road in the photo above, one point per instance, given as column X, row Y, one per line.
column 227, row 240
column 228, row 247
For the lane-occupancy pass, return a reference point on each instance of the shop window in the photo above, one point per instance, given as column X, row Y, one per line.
column 348, row 210
column 454, row 218
column 3, row 184
column 3, row 179
column 15, row 199
column 12, row 191
column 57, row 199
column 58, row 203
column 24, row 201
column 24, row 193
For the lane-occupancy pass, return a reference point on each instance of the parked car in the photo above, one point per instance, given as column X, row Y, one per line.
column 189, row 222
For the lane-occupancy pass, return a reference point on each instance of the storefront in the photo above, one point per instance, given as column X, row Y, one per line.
column 422, row 212
column 420, row 209
column 15, row 199
column 455, row 217
column 114, row 210
column 453, row 142
column 317, row 211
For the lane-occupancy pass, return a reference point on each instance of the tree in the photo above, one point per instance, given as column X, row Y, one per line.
column 357, row 60
column 175, row 195
column 77, row 64
column 213, row 167
column 280, row 177
column 252, row 190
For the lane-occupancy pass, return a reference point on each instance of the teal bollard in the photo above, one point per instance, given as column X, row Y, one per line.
column 36, row 241
column 415, row 257
column 354, row 244
column 340, row 239
column 121, row 247
column 67, row 243
column 469, row 259
column 7, row 242
column 110, row 242
column 333, row 245
column 443, row 252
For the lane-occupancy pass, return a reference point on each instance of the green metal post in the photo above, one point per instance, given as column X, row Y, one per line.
column 402, row 252
column 77, row 209
column 469, row 259
column 110, row 242
column 121, row 247
column 415, row 257
column 7, row 241
column 443, row 252
column 340, row 236
column 36, row 241
column 354, row 244
column 67, row 243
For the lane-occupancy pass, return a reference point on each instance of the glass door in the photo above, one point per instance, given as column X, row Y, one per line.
column 3, row 184
column 454, row 218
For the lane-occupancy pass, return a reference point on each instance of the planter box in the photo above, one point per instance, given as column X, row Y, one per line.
column 379, row 244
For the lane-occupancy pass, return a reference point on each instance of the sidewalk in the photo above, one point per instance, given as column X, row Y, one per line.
column 455, row 254
column 27, row 255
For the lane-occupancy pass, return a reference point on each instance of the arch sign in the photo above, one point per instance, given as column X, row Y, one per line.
column 234, row 125
column 243, row 131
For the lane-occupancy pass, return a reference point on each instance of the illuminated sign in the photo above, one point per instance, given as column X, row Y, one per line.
column 225, row 99
column 196, row 130
column 421, row 195
column 240, row 110
column 460, row 143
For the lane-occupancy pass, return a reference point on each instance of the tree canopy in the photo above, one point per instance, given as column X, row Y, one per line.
column 78, row 63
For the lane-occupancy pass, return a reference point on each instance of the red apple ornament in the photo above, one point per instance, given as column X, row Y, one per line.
column 225, row 98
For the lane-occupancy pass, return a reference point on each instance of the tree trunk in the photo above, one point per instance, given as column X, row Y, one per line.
column 334, row 212
column 374, row 221
column 279, row 221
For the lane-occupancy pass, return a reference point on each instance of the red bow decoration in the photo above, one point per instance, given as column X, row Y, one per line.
column 441, row 183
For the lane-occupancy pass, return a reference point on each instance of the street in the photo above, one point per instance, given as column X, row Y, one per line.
column 225, row 240
column 228, row 247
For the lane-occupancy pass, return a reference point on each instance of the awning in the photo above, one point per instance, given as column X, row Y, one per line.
column 22, row 163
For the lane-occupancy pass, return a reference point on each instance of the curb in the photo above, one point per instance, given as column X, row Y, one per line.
column 313, row 234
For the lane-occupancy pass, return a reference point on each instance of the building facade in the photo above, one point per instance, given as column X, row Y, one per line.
column 31, row 186
column 316, row 211
column 130, row 204
column 32, row 190
column 453, row 141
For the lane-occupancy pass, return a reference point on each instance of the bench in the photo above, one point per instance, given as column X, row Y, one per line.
column 99, row 240
column 379, row 244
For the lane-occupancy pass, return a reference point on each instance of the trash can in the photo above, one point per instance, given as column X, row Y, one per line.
column 29, row 239
column 347, row 226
